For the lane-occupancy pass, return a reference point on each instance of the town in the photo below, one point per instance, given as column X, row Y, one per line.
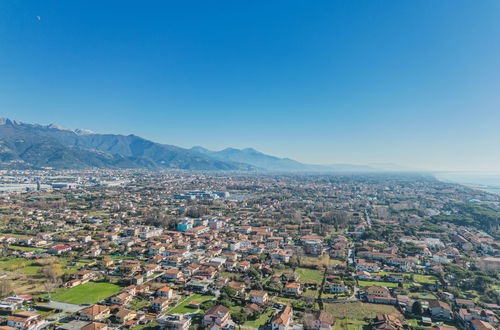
column 134, row 249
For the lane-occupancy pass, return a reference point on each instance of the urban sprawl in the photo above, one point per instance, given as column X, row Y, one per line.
column 135, row 249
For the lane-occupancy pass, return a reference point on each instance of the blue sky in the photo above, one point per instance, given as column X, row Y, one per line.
column 415, row 83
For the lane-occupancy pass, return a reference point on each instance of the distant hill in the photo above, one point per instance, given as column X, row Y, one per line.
column 37, row 146
column 254, row 158
column 34, row 146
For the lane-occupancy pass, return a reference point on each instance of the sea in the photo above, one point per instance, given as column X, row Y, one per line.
column 483, row 180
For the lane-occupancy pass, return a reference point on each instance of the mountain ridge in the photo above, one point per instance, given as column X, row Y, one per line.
column 25, row 145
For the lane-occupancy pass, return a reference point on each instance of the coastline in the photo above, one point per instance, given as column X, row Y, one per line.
column 467, row 179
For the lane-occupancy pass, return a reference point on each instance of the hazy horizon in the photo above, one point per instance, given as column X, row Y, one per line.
column 415, row 84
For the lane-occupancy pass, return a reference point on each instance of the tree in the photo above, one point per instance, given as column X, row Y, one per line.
column 51, row 285
column 239, row 318
column 5, row 288
column 52, row 272
column 229, row 291
column 416, row 308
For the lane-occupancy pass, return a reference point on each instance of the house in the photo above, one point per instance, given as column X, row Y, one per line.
column 464, row 303
column 258, row 297
column 59, row 249
column 175, row 321
column 165, row 292
column 378, row 291
column 172, row 274
column 218, row 315
column 363, row 275
column 238, row 286
column 283, row 319
column 338, row 287
column 481, row 325
column 382, row 300
column 440, row 310
column 123, row 315
column 107, row 262
column 159, row 304
column 94, row 313
column 387, row 322
column 363, row 265
column 294, row 288
column 121, row 298
column 24, row 320
column 95, row 326
column 322, row 320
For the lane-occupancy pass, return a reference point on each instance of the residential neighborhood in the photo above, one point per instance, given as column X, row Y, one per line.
column 131, row 249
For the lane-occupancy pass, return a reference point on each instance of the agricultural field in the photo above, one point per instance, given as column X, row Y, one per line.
column 25, row 276
column 88, row 293
column 359, row 310
column 25, row 248
column 349, row 324
column 323, row 260
column 422, row 295
column 377, row 283
column 418, row 278
column 13, row 264
column 309, row 275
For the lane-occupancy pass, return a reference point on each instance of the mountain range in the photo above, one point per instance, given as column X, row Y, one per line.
column 34, row 146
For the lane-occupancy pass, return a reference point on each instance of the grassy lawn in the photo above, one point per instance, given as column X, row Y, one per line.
column 183, row 308
column 309, row 275
column 311, row 293
column 138, row 304
column 88, row 293
column 31, row 270
column 13, row 264
column 349, row 324
column 425, row 279
column 323, row 260
column 419, row 278
column 376, row 283
column 24, row 248
column 418, row 323
column 422, row 295
column 359, row 310
column 147, row 326
column 284, row 300
column 260, row 321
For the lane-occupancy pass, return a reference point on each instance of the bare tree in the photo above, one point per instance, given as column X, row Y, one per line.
column 5, row 288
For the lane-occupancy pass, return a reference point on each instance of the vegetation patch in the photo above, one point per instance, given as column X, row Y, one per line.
column 360, row 311
column 309, row 275
column 183, row 308
column 88, row 293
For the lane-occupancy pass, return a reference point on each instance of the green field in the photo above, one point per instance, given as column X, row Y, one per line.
column 88, row 293
column 422, row 295
column 309, row 275
column 359, row 310
column 376, row 283
column 429, row 279
column 419, row 278
column 418, row 323
column 13, row 264
column 183, row 308
column 24, row 248
column 31, row 270
column 349, row 324
column 260, row 321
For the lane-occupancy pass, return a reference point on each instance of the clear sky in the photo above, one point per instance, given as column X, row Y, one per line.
column 415, row 83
